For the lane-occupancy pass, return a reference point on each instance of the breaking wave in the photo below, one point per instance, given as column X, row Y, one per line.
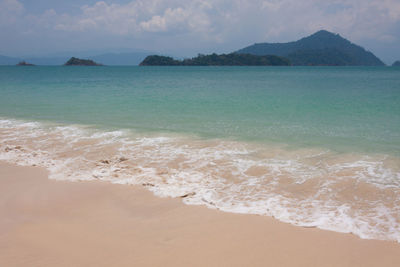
column 350, row 193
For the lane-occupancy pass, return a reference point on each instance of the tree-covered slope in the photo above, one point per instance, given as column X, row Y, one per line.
column 321, row 48
column 232, row 59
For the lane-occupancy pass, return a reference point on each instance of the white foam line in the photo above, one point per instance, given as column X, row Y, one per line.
column 214, row 174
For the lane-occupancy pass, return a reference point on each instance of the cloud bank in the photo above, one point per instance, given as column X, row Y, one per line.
column 199, row 25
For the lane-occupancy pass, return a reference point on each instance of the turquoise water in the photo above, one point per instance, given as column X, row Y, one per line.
column 311, row 146
column 349, row 108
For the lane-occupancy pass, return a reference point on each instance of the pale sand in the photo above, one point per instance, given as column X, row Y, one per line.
column 53, row 223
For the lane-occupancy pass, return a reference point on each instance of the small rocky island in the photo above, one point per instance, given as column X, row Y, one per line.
column 232, row 59
column 396, row 63
column 73, row 61
column 24, row 63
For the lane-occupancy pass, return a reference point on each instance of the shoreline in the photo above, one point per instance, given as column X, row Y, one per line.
column 46, row 222
column 309, row 187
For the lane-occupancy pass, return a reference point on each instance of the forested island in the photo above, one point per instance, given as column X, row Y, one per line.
column 322, row 48
column 396, row 63
column 73, row 61
column 217, row 60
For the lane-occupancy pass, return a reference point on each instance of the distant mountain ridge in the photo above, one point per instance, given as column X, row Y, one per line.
column 4, row 60
column 320, row 48
column 127, row 59
column 121, row 59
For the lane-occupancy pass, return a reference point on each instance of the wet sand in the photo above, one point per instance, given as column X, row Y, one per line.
column 55, row 223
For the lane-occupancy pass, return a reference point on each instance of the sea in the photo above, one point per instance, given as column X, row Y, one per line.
column 310, row 146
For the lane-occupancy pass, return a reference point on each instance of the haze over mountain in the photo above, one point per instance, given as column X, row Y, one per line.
column 320, row 48
column 121, row 59
column 127, row 58
column 5, row 60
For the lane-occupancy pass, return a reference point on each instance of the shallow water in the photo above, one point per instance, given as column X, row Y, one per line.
column 310, row 146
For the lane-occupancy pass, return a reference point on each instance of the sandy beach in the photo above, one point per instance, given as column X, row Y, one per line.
column 55, row 223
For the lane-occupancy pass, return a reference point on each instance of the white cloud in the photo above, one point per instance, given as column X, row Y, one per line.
column 212, row 22
column 12, row 6
column 10, row 11
column 140, row 16
column 265, row 18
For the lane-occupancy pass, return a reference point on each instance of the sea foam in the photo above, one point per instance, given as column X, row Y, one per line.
column 351, row 193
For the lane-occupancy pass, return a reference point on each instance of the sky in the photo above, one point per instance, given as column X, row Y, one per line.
column 185, row 28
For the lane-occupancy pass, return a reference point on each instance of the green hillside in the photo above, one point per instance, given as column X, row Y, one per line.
column 217, row 60
column 321, row 48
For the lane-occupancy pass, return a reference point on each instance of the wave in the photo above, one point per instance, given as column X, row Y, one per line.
column 351, row 193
